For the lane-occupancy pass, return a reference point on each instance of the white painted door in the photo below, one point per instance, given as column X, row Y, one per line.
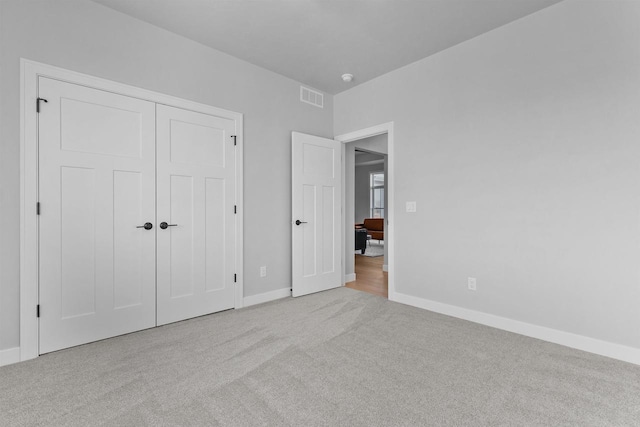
column 96, row 186
column 316, row 206
column 196, row 194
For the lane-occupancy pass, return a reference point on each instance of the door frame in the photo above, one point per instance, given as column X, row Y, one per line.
column 30, row 71
column 385, row 128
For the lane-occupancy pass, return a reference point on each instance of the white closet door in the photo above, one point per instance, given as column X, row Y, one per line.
column 96, row 185
column 196, row 193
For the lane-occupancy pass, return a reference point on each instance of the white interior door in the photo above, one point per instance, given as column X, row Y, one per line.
column 196, row 196
column 316, row 206
column 96, row 186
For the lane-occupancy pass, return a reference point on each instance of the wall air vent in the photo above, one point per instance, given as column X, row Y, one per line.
column 311, row 96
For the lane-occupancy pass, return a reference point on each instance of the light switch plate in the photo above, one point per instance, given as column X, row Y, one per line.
column 411, row 206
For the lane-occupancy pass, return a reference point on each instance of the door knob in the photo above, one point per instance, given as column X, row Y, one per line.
column 298, row 222
column 164, row 225
column 146, row 226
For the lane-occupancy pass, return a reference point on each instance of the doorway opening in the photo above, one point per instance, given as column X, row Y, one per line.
column 368, row 225
column 369, row 183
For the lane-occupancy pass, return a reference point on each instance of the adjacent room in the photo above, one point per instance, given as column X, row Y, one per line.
column 320, row 213
column 365, row 202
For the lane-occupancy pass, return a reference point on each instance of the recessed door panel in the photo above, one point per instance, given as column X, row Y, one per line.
column 328, row 230
column 215, row 219
column 77, row 242
column 96, row 185
column 181, row 237
column 196, row 144
column 318, row 161
column 195, row 198
column 128, row 274
column 309, row 231
column 91, row 127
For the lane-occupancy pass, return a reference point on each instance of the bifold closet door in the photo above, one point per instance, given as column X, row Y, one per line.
column 96, row 191
column 195, row 200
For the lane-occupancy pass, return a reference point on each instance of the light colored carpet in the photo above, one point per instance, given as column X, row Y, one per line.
column 336, row 358
column 374, row 249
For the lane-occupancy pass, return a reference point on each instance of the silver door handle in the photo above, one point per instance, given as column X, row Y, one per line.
column 146, row 226
column 298, row 222
column 164, row 225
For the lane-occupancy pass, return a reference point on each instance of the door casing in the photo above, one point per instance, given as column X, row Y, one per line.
column 29, row 237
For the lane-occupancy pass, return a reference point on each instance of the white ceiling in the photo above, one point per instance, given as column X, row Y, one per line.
column 316, row 41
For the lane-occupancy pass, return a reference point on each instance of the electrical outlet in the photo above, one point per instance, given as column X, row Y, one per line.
column 471, row 283
column 411, row 207
column 263, row 271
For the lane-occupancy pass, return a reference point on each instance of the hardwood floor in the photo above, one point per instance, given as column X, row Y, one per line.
column 369, row 276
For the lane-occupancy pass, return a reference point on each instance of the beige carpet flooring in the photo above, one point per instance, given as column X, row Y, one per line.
column 336, row 358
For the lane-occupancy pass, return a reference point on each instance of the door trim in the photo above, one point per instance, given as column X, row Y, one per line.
column 30, row 71
column 390, row 239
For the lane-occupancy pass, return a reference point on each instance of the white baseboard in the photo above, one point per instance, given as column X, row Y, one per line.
column 266, row 297
column 351, row 277
column 385, row 267
column 9, row 356
column 567, row 339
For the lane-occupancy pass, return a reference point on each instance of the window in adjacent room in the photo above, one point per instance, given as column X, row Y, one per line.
column 377, row 194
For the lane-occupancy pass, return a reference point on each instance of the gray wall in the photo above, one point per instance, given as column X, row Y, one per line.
column 89, row 38
column 522, row 150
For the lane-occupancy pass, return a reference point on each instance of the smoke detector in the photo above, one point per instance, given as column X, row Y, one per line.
column 347, row 77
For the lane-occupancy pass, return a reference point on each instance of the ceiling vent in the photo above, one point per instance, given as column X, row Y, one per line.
column 311, row 96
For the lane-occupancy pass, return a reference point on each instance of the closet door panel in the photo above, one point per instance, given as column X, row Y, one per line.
column 96, row 185
column 196, row 190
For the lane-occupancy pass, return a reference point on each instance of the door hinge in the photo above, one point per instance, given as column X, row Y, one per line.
column 38, row 208
column 235, row 209
column 38, row 310
column 235, row 278
column 235, row 142
column 38, row 103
